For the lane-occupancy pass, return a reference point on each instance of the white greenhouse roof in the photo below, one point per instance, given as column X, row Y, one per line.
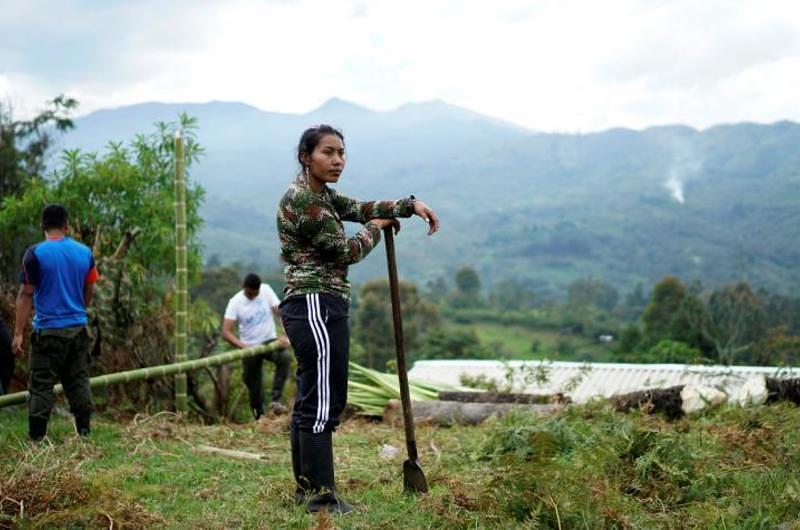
column 584, row 381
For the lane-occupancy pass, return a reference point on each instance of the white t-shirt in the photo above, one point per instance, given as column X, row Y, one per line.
column 256, row 324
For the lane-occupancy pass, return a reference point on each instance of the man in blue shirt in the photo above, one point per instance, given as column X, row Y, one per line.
column 57, row 277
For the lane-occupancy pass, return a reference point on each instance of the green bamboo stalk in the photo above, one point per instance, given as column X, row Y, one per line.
column 152, row 372
column 181, row 274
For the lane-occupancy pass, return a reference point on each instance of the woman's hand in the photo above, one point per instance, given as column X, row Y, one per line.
column 424, row 211
column 383, row 223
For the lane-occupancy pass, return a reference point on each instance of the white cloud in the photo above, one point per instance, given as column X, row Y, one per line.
column 698, row 44
column 23, row 94
column 568, row 65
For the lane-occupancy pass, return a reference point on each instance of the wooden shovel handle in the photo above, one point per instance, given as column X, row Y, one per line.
column 405, row 397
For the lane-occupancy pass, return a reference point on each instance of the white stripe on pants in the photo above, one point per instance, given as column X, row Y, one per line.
column 322, row 341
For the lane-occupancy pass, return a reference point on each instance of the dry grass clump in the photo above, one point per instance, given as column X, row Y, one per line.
column 39, row 484
column 48, row 489
column 271, row 424
column 162, row 425
column 323, row 521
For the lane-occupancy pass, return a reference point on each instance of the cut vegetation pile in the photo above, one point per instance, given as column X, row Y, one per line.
column 590, row 468
column 370, row 390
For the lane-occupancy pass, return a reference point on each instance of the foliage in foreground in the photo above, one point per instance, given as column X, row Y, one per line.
column 584, row 468
column 594, row 469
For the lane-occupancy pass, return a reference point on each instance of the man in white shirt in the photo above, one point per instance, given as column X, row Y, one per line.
column 253, row 308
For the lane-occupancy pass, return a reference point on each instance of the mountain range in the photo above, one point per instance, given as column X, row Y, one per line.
column 715, row 205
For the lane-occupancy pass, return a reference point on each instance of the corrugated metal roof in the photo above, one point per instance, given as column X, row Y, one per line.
column 584, row 381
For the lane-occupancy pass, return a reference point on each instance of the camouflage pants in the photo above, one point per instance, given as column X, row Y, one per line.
column 59, row 355
column 253, row 376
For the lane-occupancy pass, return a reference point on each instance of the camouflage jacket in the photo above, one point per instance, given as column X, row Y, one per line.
column 314, row 247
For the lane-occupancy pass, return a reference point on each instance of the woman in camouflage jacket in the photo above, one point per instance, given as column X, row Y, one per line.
column 316, row 253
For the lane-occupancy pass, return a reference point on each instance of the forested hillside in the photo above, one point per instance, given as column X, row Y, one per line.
column 715, row 205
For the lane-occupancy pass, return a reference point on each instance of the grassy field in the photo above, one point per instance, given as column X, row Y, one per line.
column 586, row 467
column 521, row 342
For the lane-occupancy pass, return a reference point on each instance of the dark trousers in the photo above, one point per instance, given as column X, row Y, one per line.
column 318, row 330
column 253, row 376
column 6, row 359
column 59, row 355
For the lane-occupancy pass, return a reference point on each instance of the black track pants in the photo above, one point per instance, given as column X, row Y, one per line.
column 317, row 327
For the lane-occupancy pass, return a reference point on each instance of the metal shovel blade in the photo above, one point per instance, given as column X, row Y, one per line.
column 413, row 478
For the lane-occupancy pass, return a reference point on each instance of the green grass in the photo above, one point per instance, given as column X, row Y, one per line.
column 517, row 342
column 587, row 467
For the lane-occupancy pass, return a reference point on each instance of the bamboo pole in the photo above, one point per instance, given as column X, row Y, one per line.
column 181, row 295
column 152, row 372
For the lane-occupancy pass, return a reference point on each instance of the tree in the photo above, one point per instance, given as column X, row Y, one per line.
column 672, row 351
column 126, row 187
column 675, row 313
column 685, row 325
column 585, row 292
column 781, row 311
column 374, row 328
column 778, row 348
column 468, row 288
column 630, row 338
column 510, row 295
column 734, row 321
column 24, row 147
column 668, row 296
column 452, row 344
column 634, row 303
column 213, row 262
column 467, row 281
column 436, row 289
column 217, row 286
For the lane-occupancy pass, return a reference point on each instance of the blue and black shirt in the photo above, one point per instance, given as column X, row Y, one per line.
column 59, row 269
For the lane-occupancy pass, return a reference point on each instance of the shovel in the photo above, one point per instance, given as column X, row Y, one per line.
column 413, row 477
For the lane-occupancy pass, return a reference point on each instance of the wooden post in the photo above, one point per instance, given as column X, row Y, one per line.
column 181, row 273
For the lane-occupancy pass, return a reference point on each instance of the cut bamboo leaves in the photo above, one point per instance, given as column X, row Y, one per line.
column 370, row 390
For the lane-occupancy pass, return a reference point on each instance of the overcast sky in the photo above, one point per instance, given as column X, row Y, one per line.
column 554, row 66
